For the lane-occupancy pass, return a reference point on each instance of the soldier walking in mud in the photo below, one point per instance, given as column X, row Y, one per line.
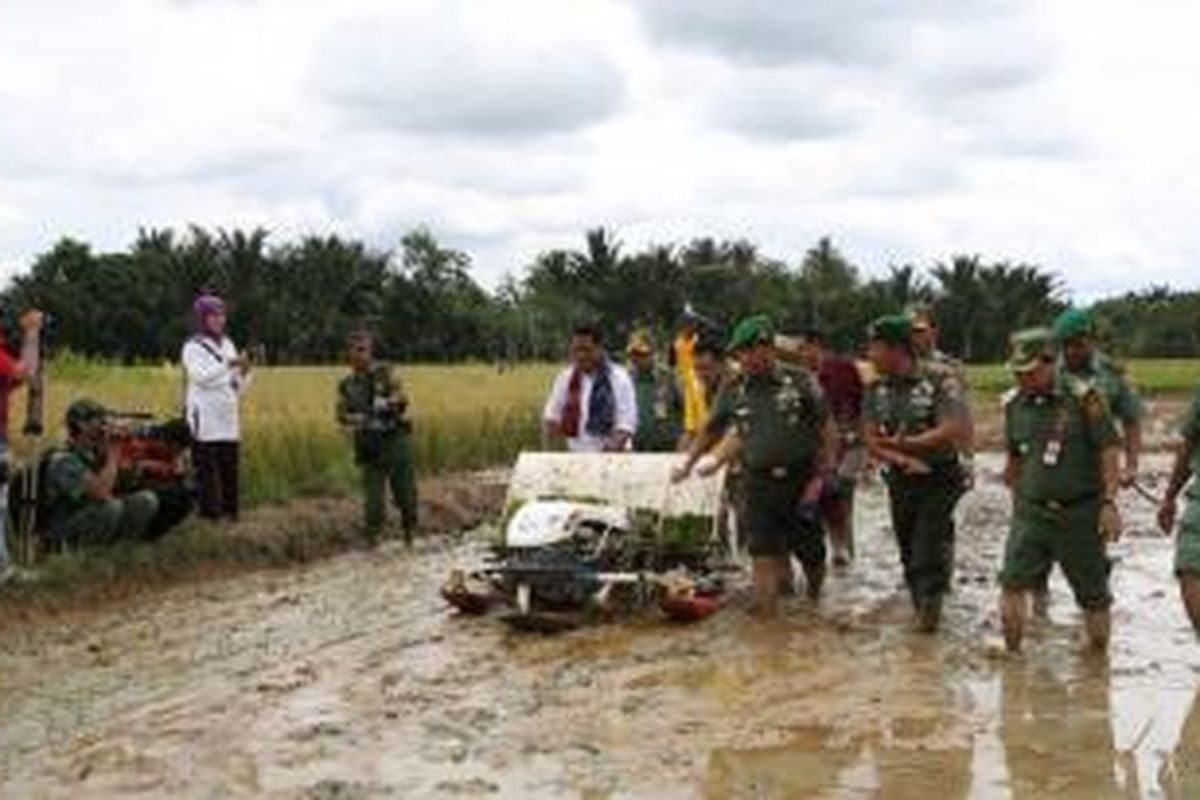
column 915, row 424
column 1062, row 468
column 1187, row 538
column 372, row 406
column 1075, row 334
column 777, row 421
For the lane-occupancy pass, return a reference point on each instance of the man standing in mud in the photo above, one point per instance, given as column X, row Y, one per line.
column 1063, row 470
column 373, row 407
column 1075, row 333
column 659, row 398
column 843, row 387
column 779, row 423
column 1187, row 538
column 915, row 423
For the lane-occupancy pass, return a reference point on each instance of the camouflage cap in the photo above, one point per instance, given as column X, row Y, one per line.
column 1030, row 347
column 1073, row 323
column 922, row 318
column 751, row 331
column 83, row 411
column 891, row 329
column 640, row 344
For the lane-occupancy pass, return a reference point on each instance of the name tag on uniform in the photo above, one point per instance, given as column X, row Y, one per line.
column 1052, row 453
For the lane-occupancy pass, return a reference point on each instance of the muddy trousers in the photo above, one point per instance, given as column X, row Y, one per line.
column 392, row 469
column 922, row 509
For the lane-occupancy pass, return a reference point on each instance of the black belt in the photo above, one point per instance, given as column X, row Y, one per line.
column 1063, row 505
column 780, row 473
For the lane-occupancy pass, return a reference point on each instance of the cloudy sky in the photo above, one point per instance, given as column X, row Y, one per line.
column 1066, row 133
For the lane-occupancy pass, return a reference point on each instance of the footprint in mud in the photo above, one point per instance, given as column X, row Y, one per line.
column 301, row 676
column 346, row 790
column 321, row 730
column 119, row 769
column 468, row 788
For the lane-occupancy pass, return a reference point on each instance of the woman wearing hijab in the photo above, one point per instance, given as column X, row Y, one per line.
column 216, row 377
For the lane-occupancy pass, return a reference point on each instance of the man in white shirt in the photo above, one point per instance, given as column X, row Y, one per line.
column 592, row 404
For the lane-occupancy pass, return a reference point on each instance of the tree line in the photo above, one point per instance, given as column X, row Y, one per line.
column 296, row 302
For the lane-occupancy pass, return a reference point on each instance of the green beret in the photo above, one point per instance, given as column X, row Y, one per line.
column 892, row 329
column 751, row 331
column 1030, row 347
column 83, row 411
column 1073, row 323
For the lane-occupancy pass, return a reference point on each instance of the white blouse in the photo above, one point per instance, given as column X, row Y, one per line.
column 214, row 388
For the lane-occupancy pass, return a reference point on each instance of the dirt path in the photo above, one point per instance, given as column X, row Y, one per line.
column 348, row 679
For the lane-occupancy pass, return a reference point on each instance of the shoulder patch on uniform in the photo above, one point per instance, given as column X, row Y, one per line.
column 1079, row 387
column 1094, row 407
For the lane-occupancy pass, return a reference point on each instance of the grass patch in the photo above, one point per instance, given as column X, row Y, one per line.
column 1151, row 377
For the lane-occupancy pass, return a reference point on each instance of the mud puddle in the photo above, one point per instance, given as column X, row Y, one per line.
column 348, row 679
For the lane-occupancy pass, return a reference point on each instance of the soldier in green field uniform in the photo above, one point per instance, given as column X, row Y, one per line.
column 1063, row 469
column 372, row 406
column 915, row 424
column 81, row 483
column 659, row 399
column 1187, row 541
column 1075, row 334
column 780, row 422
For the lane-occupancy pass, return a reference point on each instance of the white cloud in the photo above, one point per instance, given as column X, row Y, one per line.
column 908, row 131
column 447, row 68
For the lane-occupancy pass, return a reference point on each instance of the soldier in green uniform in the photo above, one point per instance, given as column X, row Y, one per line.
column 1075, row 333
column 81, row 480
column 1062, row 468
column 915, row 424
column 372, row 406
column 659, row 399
column 925, row 343
column 781, row 430
column 1187, row 540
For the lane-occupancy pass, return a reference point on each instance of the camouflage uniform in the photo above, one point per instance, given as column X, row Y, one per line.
column 78, row 519
column 660, row 410
column 922, row 506
column 1057, row 439
column 372, row 403
column 779, row 416
column 1113, row 385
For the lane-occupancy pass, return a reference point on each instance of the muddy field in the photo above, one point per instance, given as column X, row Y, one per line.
column 349, row 679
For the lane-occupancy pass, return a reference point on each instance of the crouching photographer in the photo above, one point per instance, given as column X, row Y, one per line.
column 83, row 505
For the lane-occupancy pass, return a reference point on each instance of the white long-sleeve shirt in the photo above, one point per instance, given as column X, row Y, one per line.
column 214, row 387
column 626, row 417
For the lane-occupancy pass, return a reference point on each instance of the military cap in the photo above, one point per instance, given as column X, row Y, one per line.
column 1031, row 347
column 892, row 329
column 922, row 318
column 1073, row 323
column 639, row 343
column 751, row 331
column 83, row 411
